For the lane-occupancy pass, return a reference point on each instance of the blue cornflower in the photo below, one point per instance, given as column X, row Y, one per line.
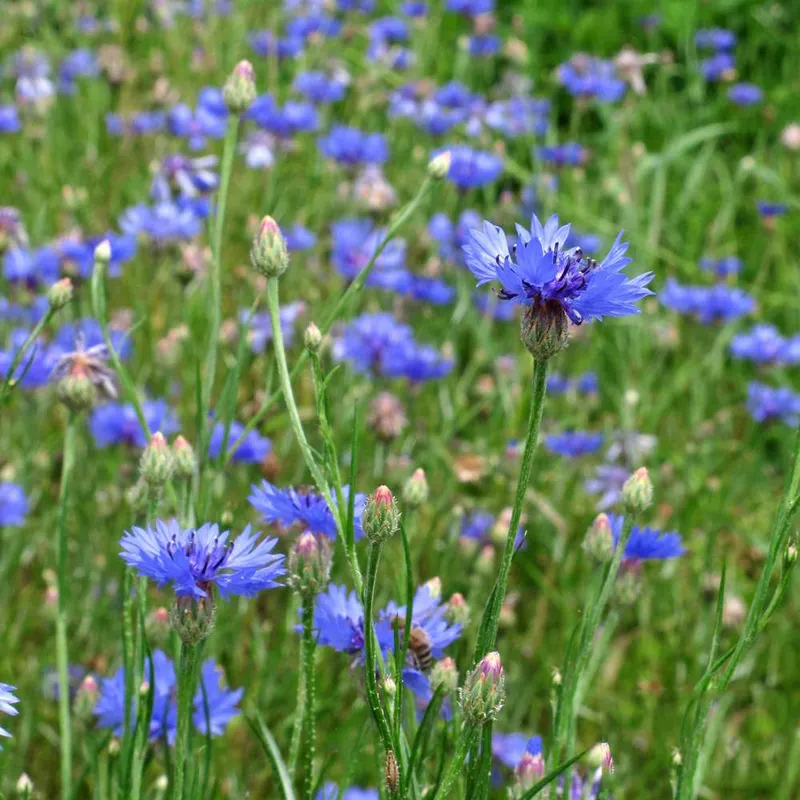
column 508, row 748
column 36, row 366
column 437, row 119
column 354, row 242
column 538, row 272
column 141, row 123
column 76, row 256
column 7, row 702
column 484, row 45
column 284, row 122
column 197, row 125
column 569, row 153
column 471, row 168
column 80, row 63
column 470, row 8
column 745, row 94
column 762, row 344
column 31, row 268
column 194, row 559
column 766, row 404
column 261, row 326
column 317, row 87
column 164, row 223
column 88, row 334
column 769, row 209
column 330, row 791
column 587, row 76
column 189, row 176
column 722, row 267
column 302, row 27
column 221, row 703
column 265, row 44
column 253, row 450
column 298, row 238
column 415, row 9
column 708, row 304
column 306, row 508
column 607, row 481
column 9, row 119
column 517, row 116
column 351, row 146
column 720, row 65
column 429, row 290
column 452, row 238
column 13, row 504
column 715, row 38
column 413, row 361
column 480, row 526
column 117, row 423
column 574, row 444
column 561, row 384
column 646, row 544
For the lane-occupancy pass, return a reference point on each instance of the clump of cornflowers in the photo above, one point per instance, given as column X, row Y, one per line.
column 253, row 449
column 715, row 39
column 587, row 76
column 213, row 705
column 768, row 404
column 471, row 168
column 722, row 267
column 13, row 504
column 320, row 88
column 720, row 66
column 485, row 528
column 7, row 702
column 117, row 423
column 557, row 285
column 568, row 154
column 207, row 120
column 574, row 444
column 708, row 303
column 303, row 507
column 331, row 791
column 763, row 344
column 351, row 147
column 745, row 94
column 586, row 384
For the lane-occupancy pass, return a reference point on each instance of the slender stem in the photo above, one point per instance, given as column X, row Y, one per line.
column 62, row 656
column 299, row 716
column 491, row 614
column 309, row 724
column 469, row 735
column 186, row 681
column 341, row 303
column 8, row 383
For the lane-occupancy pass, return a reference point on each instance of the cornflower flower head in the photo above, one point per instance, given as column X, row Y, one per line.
column 761, row 344
column 7, row 702
column 285, row 121
column 83, row 376
column 715, row 39
column 561, row 384
column 745, row 94
column 415, row 362
column 646, row 544
column 350, row 146
column 265, row 43
column 415, row 9
column 306, row 508
column 471, row 168
column 298, row 238
column 722, row 267
column 567, row 154
column 13, row 504
column 211, row 694
column 607, row 481
column 191, row 177
column 80, row 63
column 33, row 86
column 451, row 237
column 470, row 8
column 516, row 116
column 330, row 791
column 586, row 76
column 574, row 444
column 355, row 242
column 253, row 450
column 164, row 223
column 709, row 304
column 117, row 423
column 481, row 526
column 719, row 66
column 140, row 123
column 318, row 87
column 258, row 149
column 766, row 404
column 193, row 560
column 769, row 209
column 307, row 25
column 31, row 268
column 9, row 119
column 207, row 120
column 365, row 339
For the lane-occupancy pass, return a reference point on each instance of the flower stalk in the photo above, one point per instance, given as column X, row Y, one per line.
column 187, row 670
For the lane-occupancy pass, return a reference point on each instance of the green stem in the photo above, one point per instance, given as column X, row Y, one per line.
column 9, row 383
column 186, row 681
column 469, row 735
column 62, row 656
column 309, row 723
column 491, row 614
column 340, row 305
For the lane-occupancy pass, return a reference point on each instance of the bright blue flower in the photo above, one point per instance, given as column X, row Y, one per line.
column 117, row 423
column 298, row 238
column 309, row 510
column 484, row 45
column 508, row 748
column 516, row 116
column 715, row 38
column 429, row 290
column 302, row 27
column 471, row 168
column 646, row 544
column 561, row 384
column 745, row 94
column 164, row 222
column 574, row 444
column 220, row 702
column 253, row 450
column 194, row 559
column 413, row 361
column 470, row 8
column 607, row 481
column 414, row 8
column 330, row 791
column 366, row 338
column 88, row 334
column 722, row 267
column 36, row 367
column 587, row 76
column 9, row 119
column 188, row 176
column 354, row 242
column 141, row 123
column 80, row 63
column 452, row 238
column 339, row 623
column 717, row 66
column 539, row 272
column 770, row 209
column 284, row 122
column 7, row 702
column 265, row 44
column 708, row 304
column 479, row 527
column 318, row 87
column 766, row 404
column 569, row 153
column 32, row 268
column 351, row 146
column 13, row 504
column 762, row 344
column 196, row 125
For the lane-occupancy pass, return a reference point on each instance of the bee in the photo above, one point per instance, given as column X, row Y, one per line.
column 419, row 653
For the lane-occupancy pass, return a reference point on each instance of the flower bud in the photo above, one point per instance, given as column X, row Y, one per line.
column 156, row 464
column 86, row 698
column 59, row 294
column 637, row 492
column 389, row 686
column 381, row 517
column 161, row 783
column 528, row 772
column 391, row 772
column 183, row 460
column 600, row 756
column 415, row 491
column 312, row 338
column 599, row 540
column 102, row 253
column 485, row 563
column 434, row 587
column 269, row 254
column 192, row 620
column 157, row 625
column 439, row 166
column 544, row 330
column 458, row 611
column 484, row 691
column 790, row 556
column 24, row 787
column 113, row 748
column 310, row 564
column 239, row 90
column 556, row 678
column 77, row 392
column 444, row 674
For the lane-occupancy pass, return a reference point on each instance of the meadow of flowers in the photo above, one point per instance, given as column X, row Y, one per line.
column 397, row 399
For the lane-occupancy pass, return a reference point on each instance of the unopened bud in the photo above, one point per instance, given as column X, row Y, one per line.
column 381, row 517
column 239, row 90
column 24, row 786
column 312, row 337
column 310, row 564
column 599, row 540
column 269, row 254
column 102, row 253
column 637, row 492
column 600, row 756
column 156, row 464
column 389, row 686
column 113, row 748
column 86, row 697
column 790, row 556
column 157, row 625
column 183, row 459
column 415, row 491
column 485, row 563
column 458, row 610
column 677, row 758
column 439, row 166
column 161, row 783
column 59, row 294
column 191, row 619
column 556, row 678
column 544, row 330
column 77, row 392
column 528, row 772
column 391, row 773
column 484, row 693
column 444, row 674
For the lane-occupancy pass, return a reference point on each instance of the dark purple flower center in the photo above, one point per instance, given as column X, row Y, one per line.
column 205, row 562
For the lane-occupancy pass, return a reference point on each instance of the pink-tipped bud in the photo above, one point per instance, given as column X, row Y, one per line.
column 444, row 674
column 439, row 166
column 310, row 562
column 156, row 464
column 269, row 253
column 86, row 697
column 528, row 772
column 600, row 757
column 183, row 456
column 239, row 90
column 59, row 294
column 312, row 338
column 458, row 611
column 415, row 491
column 381, row 517
column 599, row 539
column 484, row 691
column 637, row 492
